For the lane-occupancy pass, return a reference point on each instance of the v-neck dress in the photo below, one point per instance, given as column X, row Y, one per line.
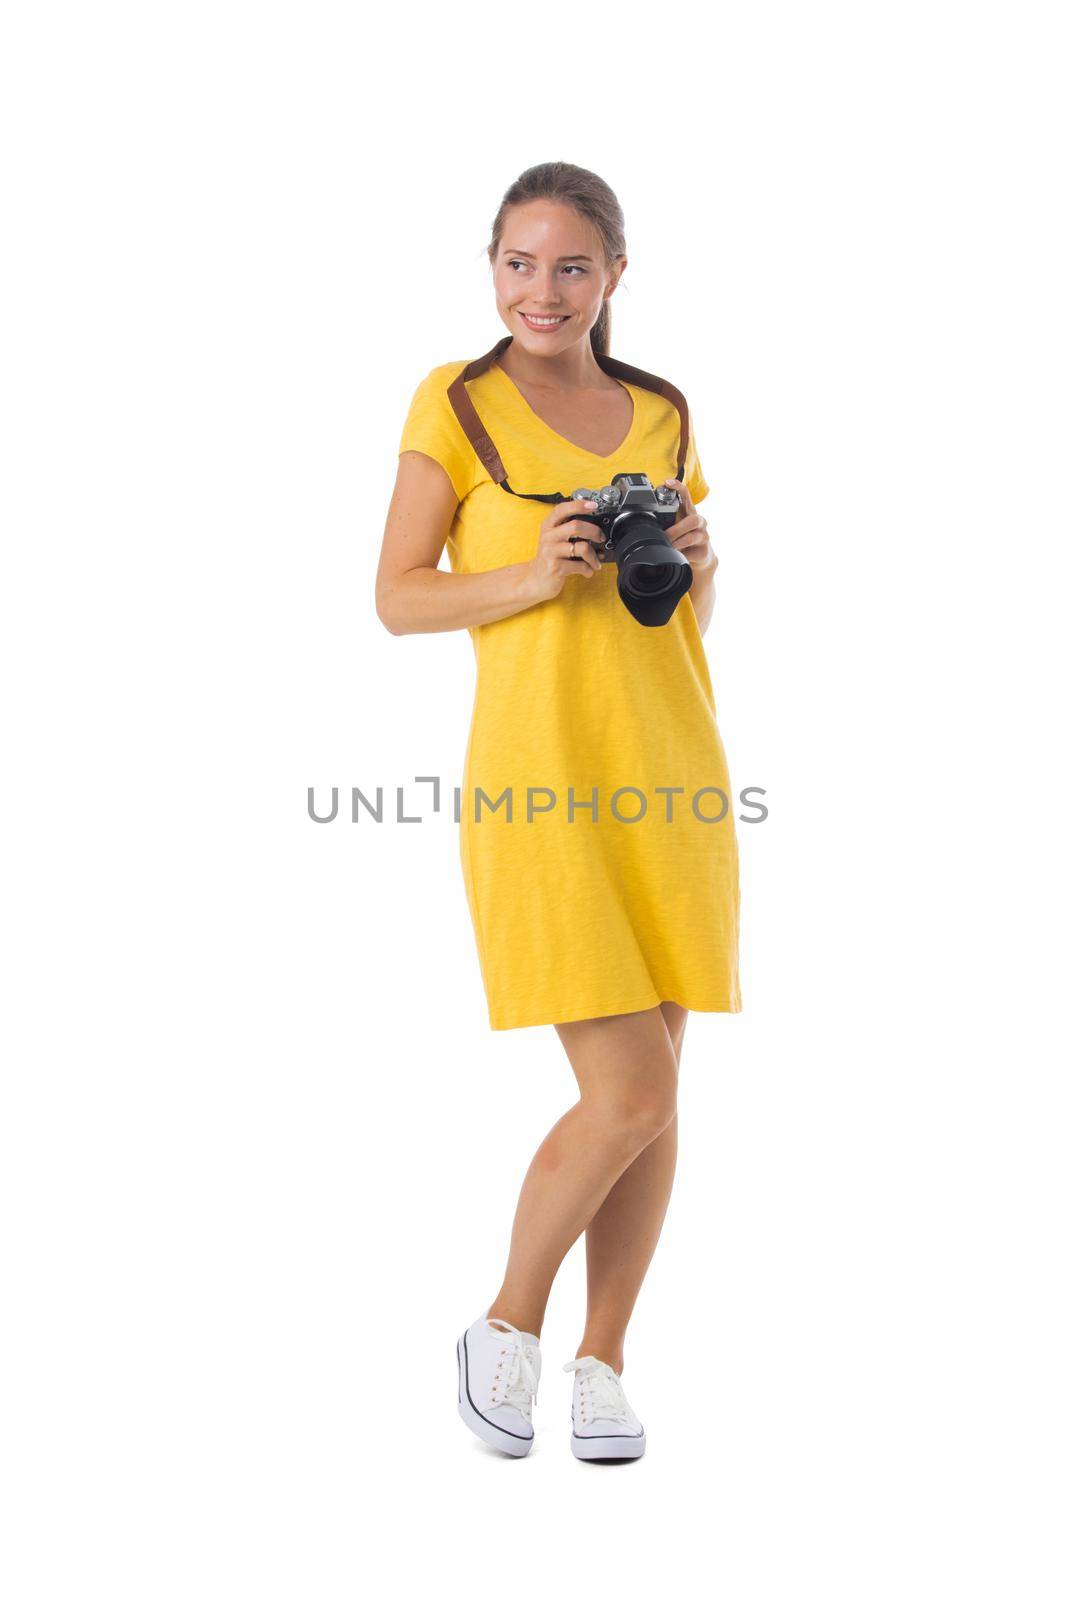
column 596, row 829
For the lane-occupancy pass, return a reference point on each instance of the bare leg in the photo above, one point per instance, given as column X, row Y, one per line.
column 621, row 1239
column 627, row 1076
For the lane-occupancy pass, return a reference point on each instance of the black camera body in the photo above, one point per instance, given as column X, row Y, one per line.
column 633, row 517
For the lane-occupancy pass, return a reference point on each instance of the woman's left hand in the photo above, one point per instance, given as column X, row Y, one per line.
column 689, row 531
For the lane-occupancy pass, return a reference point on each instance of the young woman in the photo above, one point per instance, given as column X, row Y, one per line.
column 598, row 853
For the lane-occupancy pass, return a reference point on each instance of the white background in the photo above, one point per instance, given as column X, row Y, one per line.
column 260, row 1147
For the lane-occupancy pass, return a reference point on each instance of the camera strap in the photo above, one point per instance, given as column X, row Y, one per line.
column 486, row 450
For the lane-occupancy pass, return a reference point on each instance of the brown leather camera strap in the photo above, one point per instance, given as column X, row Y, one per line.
column 486, row 450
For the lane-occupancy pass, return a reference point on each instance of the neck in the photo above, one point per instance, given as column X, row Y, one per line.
column 573, row 368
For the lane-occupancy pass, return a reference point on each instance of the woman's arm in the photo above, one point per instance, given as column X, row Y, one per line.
column 702, row 594
column 690, row 535
column 413, row 596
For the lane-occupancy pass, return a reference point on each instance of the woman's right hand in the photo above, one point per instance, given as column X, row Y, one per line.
column 561, row 552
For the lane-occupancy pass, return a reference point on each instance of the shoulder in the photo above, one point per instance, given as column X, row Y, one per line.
column 436, row 382
column 433, row 429
column 430, row 409
column 659, row 409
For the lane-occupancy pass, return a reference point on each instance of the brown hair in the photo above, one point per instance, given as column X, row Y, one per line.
column 592, row 198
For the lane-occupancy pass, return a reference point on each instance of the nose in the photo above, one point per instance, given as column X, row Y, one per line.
column 544, row 289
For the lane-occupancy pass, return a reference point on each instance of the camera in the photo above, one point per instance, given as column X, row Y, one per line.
column 633, row 516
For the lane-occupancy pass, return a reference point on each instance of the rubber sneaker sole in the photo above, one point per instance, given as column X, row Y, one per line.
column 609, row 1447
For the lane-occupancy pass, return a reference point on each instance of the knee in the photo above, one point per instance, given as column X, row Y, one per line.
column 635, row 1117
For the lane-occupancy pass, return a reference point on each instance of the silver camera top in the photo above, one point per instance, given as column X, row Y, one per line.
column 611, row 495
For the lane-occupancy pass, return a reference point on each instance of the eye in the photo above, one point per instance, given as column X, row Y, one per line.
column 516, row 263
column 573, row 267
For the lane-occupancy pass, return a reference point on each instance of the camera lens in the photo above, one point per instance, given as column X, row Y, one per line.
column 655, row 578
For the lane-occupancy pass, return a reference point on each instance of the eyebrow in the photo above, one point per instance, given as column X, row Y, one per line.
column 529, row 257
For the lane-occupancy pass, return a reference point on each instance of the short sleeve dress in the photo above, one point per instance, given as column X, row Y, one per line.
column 596, row 831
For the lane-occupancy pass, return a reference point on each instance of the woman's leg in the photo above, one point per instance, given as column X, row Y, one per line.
column 627, row 1074
column 621, row 1239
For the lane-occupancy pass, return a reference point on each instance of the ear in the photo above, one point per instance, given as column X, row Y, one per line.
column 618, row 267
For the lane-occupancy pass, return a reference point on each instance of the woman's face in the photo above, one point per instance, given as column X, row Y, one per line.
column 550, row 276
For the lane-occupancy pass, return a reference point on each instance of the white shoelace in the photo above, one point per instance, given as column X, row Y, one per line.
column 518, row 1385
column 604, row 1397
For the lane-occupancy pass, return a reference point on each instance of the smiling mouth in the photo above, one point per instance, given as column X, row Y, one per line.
column 542, row 322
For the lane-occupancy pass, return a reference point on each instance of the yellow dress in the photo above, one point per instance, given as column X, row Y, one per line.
column 600, row 873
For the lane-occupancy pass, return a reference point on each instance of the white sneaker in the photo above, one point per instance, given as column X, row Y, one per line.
column 499, row 1370
column 604, row 1427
